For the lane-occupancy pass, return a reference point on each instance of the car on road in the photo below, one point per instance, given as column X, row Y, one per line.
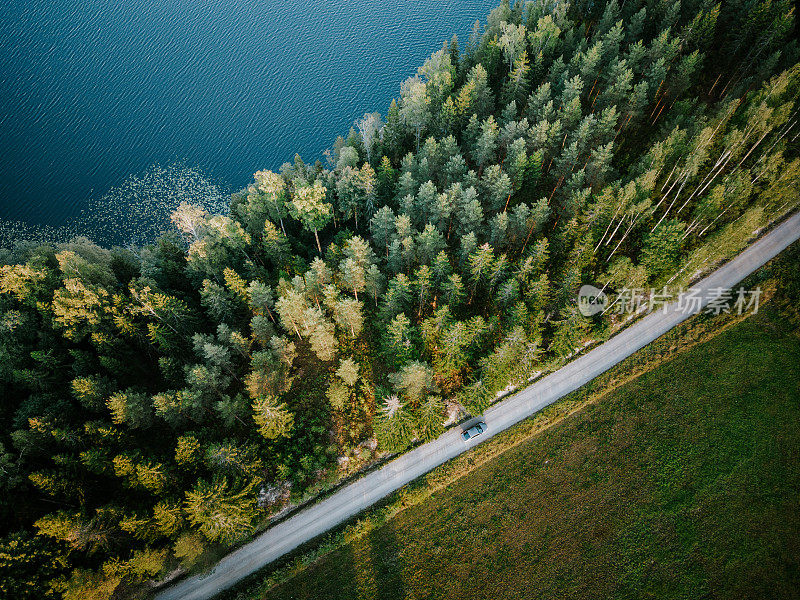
column 473, row 431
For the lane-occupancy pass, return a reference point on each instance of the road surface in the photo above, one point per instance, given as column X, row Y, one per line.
column 359, row 495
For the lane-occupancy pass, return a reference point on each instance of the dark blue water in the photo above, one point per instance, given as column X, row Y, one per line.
column 94, row 91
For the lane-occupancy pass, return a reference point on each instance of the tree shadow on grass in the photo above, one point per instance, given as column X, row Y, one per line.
column 377, row 570
column 387, row 563
column 368, row 568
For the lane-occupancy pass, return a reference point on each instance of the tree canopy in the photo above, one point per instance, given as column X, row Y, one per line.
column 161, row 402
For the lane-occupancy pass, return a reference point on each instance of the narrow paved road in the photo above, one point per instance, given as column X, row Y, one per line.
column 355, row 497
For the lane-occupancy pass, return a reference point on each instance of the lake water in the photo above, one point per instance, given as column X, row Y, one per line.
column 95, row 92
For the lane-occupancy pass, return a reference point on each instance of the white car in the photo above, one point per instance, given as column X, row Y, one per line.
column 473, row 431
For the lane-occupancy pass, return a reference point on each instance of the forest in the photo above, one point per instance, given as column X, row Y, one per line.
column 161, row 403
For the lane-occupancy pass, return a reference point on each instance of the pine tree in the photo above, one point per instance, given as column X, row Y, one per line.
column 661, row 248
column 496, row 188
column 429, row 243
column 470, row 213
column 217, row 302
column 569, row 334
column 382, row 226
column 188, row 548
column 323, row 341
column 398, row 340
column 430, row 418
column 348, row 315
column 485, row 148
column 393, row 133
column 453, row 290
column 358, row 258
column 393, row 425
column 414, row 380
column 270, row 189
column 369, row 127
column 272, row 418
column 415, row 104
column 424, row 203
column 218, row 512
column 481, row 262
column 512, row 41
column 309, row 207
column 187, row 451
column 423, row 286
column 132, row 408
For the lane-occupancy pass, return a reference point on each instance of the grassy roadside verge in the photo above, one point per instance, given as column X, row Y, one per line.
column 295, row 567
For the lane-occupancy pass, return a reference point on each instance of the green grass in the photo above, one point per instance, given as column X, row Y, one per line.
column 683, row 483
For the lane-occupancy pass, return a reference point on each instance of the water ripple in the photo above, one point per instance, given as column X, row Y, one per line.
column 91, row 92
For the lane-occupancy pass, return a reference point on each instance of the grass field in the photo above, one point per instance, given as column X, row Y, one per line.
column 684, row 483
